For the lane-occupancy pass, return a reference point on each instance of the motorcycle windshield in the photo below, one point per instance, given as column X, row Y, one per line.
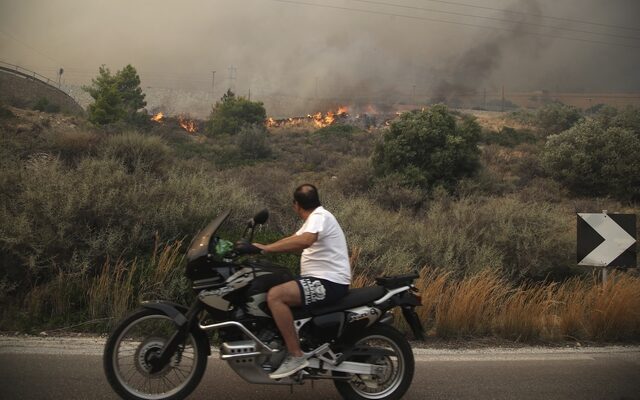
column 200, row 244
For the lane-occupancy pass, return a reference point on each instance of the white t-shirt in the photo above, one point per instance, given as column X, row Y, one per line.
column 328, row 257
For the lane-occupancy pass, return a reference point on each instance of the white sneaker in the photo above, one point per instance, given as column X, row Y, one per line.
column 290, row 366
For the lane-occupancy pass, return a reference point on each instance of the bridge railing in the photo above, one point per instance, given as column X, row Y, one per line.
column 30, row 73
column 27, row 73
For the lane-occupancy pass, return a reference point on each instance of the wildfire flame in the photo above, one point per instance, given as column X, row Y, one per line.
column 158, row 117
column 319, row 119
column 187, row 124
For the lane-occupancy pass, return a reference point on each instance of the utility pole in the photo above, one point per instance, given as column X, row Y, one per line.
column 484, row 98
column 60, row 72
column 213, row 85
column 233, row 71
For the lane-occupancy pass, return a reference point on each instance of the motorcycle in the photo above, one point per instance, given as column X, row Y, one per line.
column 160, row 350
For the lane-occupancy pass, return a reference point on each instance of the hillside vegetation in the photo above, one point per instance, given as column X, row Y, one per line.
column 94, row 219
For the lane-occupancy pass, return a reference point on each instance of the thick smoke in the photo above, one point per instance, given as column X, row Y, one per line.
column 299, row 59
column 466, row 73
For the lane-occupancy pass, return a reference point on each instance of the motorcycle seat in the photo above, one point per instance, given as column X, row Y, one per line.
column 355, row 297
column 392, row 282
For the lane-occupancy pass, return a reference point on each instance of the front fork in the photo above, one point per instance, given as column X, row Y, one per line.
column 159, row 361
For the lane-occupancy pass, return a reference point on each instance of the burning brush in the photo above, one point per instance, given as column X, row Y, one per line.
column 184, row 121
column 159, row 117
column 319, row 119
column 187, row 124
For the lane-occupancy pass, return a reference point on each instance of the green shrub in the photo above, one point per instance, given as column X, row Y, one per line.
column 74, row 217
column 508, row 137
column 72, row 146
column 355, row 176
column 389, row 193
column 627, row 118
column 5, row 112
column 252, row 142
column 597, row 109
column 43, row 104
column 116, row 97
column 523, row 116
column 336, row 130
column 231, row 113
column 554, row 118
column 138, row 152
column 523, row 239
column 593, row 160
column 428, row 149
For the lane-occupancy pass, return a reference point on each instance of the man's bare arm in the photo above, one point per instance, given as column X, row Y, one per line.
column 291, row 244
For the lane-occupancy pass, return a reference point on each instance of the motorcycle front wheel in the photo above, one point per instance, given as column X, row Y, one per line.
column 394, row 353
column 132, row 343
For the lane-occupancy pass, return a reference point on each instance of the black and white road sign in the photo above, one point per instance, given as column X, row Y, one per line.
column 606, row 240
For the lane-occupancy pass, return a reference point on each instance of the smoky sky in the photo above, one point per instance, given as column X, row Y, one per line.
column 291, row 55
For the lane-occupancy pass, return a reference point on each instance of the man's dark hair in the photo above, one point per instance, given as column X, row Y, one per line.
column 306, row 195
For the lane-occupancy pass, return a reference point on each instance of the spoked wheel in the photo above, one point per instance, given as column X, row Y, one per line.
column 141, row 337
column 391, row 351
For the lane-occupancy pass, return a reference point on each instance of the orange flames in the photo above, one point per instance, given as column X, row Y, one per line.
column 319, row 119
column 158, row 117
column 187, row 124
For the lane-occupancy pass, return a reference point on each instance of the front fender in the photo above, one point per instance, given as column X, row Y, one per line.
column 173, row 310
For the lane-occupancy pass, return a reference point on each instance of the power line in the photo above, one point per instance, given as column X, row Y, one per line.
column 534, row 15
column 29, row 47
column 366, row 11
column 382, row 3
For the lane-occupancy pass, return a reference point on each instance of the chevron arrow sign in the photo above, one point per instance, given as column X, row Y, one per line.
column 606, row 240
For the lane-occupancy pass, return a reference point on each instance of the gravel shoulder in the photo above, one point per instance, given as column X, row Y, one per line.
column 93, row 345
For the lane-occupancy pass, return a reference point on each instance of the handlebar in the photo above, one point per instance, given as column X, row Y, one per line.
column 243, row 246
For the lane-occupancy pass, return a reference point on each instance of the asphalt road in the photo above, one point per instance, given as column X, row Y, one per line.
column 50, row 372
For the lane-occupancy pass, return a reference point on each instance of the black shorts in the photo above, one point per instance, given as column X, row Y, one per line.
column 316, row 292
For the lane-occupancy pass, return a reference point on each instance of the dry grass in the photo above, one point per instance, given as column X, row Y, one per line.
column 485, row 304
column 120, row 286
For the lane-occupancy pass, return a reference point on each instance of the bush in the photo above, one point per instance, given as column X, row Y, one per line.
column 627, row 118
column 591, row 159
column 508, row 137
column 57, row 217
column 355, row 176
column 231, row 113
column 116, row 97
column 523, row 239
column 554, row 118
column 72, row 146
column 525, row 117
column 252, row 142
column 391, row 195
column 336, row 130
column 5, row 112
column 138, row 152
column 43, row 104
column 429, row 148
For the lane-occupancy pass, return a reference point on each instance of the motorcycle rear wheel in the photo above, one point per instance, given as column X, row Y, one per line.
column 127, row 352
column 399, row 362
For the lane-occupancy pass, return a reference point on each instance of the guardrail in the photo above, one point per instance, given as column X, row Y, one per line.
column 29, row 73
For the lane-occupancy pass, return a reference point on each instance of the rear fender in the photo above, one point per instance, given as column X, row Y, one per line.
column 177, row 313
column 407, row 301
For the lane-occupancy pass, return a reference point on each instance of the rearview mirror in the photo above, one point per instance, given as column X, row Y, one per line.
column 261, row 217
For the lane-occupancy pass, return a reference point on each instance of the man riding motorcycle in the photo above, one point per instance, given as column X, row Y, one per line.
column 324, row 269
